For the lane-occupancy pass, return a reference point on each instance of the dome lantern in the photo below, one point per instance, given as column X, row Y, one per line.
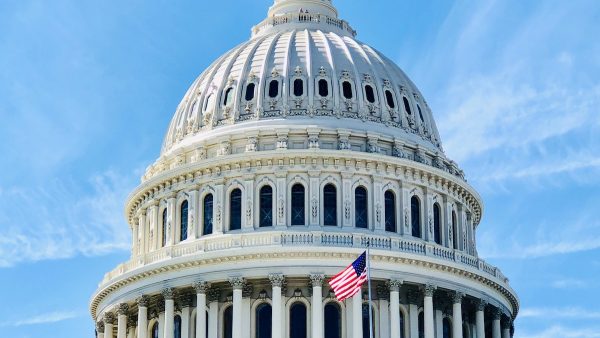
column 281, row 7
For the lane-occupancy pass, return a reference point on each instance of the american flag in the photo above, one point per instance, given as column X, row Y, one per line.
column 348, row 282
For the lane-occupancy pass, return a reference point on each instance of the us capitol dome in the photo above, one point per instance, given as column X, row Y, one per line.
column 285, row 158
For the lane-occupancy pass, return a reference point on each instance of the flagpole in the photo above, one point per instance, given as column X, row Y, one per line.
column 369, row 286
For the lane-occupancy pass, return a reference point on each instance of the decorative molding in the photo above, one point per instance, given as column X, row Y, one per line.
column 429, row 289
column 123, row 309
column 395, row 284
column 168, row 293
column 201, row 287
column 456, row 297
column 277, row 280
column 143, row 301
column 316, row 280
column 109, row 318
column 237, row 283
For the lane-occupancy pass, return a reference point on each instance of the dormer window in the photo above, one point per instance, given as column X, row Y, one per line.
column 298, row 87
column 370, row 93
column 273, row 89
column 323, row 88
column 389, row 97
column 347, row 90
column 250, row 89
column 407, row 106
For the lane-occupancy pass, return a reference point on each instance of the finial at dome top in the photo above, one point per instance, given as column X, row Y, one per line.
column 324, row 7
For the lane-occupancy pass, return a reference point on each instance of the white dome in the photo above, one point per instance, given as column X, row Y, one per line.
column 253, row 84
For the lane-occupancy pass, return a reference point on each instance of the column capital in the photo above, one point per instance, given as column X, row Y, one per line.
column 481, row 304
column 213, row 295
column 497, row 313
column 168, row 293
column 109, row 318
column 429, row 289
column 100, row 327
column 395, row 284
column 201, row 287
column 277, row 280
column 123, row 309
column 247, row 290
column 506, row 324
column 456, row 297
column 316, row 279
column 237, row 283
column 143, row 301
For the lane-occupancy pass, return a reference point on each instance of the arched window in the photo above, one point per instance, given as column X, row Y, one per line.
column 323, row 88
column 390, row 211
column 361, row 208
column 390, row 99
column 250, row 88
column 347, row 90
column 298, row 87
column 298, row 321
column 330, row 205
column 228, row 322
column 227, row 97
column 446, row 328
column 298, row 204
column 437, row 224
column 164, row 227
column 333, row 320
column 266, row 206
column 263, row 320
column 421, row 325
column 177, row 327
column 155, row 331
column 183, row 216
column 370, row 93
column 365, row 320
column 420, row 114
column 235, row 210
column 407, row 106
column 273, row 88
column 454, row 231
column 208, row 215
column 415, row 215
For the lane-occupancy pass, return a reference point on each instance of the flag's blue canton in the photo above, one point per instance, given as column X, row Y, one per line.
column 360, row 263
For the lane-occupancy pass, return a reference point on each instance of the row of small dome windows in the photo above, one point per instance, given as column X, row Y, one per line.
column 298, row 212
column 323, row 90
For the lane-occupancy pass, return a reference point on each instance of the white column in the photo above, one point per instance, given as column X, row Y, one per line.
column 122, row 320
column 317, row 305
column 193, row 219
column 142, row 323
column 143, row 233
column 171, row 211
column 109, row 322
column 185, row 317
column 439, row 322
column 100, row 329
column 428, row 311
column 413, row 314
column 480, row 320
column 395, row 308
column 238, row 284
column 213, row 313
column 246, row 310
column 383, row 296
column 357, row 331
column 506, row 329
column 201, row 287
column 135, row 228
column 169, row 295
column 161, row 322
column 349, row 316
column 277, row 282
column 496, row 331
column 457, row 328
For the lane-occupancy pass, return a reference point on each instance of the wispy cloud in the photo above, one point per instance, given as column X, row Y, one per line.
column 559, row 313
column 562, row 332
column 63, row 219
column 46, row 318
column 569, row 283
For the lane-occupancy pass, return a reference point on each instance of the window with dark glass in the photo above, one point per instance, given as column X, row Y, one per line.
column 333, row 320
column 446, row 328
column 227, row 98
column 263, row 320
column 183, row 216
column 273, row 88
column 390, row 99
column 365, row 320
column 370, row 93
column 298, row 87
column 323, row 88
column 266, row 206
column 235, row 210
column 347, row 90
column 415, row 215
column 298, row 205
column 228, row 322
column 407, row 106
column 454, row 231
column 250, row 92
column 177, row 327
column 437, row 224
column 155, row 332
column 164, row 227
column 330, row 205
column 298, row 321
column 208, row 215
column 390, row 211
column 361, row 210
column 420, row 113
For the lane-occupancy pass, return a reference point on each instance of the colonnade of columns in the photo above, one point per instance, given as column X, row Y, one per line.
column 207, row 299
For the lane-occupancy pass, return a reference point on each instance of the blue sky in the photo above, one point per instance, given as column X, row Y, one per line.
column 87, row 89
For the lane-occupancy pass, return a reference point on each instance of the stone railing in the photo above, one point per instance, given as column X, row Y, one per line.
column 303, row 18
column 307, row 239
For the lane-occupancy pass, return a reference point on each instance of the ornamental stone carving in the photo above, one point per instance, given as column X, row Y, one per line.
column 201, row 287
column 497, row 314
column 481, row 304
column 109, row 318
column 247, row 290
column 395, row 284
column 429, row 290
column 100, row 327
column 237, row 283
column 316, row 280
column 456, row 297
column 123, row 309
column 277, row 280
column 168, row 293
column 143, row 301
column 213, row 295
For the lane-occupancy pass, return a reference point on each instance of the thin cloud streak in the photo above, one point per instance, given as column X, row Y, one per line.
column 46, row 318
column 562, row 332
column 559, row 313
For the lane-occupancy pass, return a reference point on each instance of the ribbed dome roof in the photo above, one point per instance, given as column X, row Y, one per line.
column 303, row 66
